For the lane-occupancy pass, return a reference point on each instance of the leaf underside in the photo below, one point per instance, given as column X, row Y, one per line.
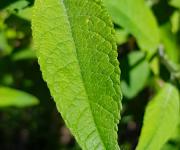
column 76, row 49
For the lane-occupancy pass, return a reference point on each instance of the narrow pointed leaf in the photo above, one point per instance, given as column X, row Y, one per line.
column 76, row 48
column 160, row 120
column 16, row 98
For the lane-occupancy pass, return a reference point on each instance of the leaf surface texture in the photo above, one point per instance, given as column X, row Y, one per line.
column 76, row 49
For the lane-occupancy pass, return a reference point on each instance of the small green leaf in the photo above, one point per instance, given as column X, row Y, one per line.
column 175, row 145
column 24, row 54
column 175, row 3
column 160, row 120
column 137, row 19
column 76, row 49
column 121, row 36
column 5, row 48
column 155, row 66
column 151, row 2
column 175, row 21
column 17, row 6
column 25, row 13
column 12, row 97
column 169, row 43
column 20, row 9
column 135, row 72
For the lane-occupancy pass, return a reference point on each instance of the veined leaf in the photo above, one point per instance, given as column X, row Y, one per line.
column 137, row 19
column 12, row 97
column 76, row 48
column 160, row 120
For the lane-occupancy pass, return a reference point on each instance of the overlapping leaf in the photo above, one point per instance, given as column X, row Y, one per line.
column 137, row 19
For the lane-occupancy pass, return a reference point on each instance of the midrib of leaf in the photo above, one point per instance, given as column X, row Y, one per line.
column 76, row 53
column 82, row 74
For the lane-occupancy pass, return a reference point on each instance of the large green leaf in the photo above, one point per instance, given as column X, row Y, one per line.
column 160, row 120
column 12, row 97
column 137, row 19
column 135, row 73
column 76, row 48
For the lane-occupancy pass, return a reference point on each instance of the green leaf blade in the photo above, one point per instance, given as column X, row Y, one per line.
column 11, row 97
column 161, row 119
column 76, row 49
column 137, row 19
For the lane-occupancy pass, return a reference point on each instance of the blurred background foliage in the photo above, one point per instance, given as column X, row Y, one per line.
column 148, row 39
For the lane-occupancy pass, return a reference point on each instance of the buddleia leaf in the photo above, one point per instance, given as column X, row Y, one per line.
column 76, row 49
